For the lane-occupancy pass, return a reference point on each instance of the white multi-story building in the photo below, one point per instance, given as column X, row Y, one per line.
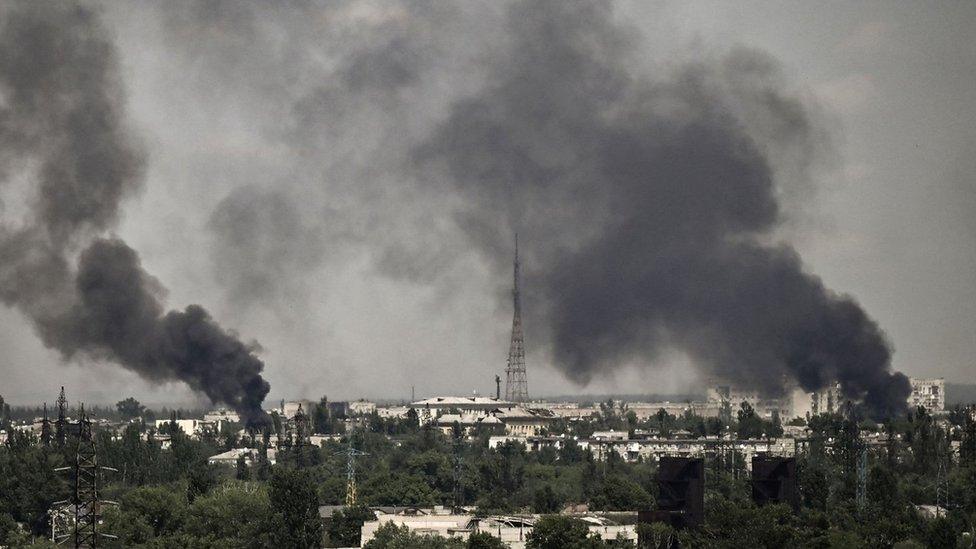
column 192, row 427
column 361, row 407
column 289, row 409
column 718, row 395
column 929, row 393
column 828, row 400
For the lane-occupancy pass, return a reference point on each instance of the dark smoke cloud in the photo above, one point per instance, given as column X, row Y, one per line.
column 118, row 317
column 653, row 201
column 62, row 130
column 656, row 201
column 264, row 242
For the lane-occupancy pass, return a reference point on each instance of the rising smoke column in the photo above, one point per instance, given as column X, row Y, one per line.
column 62, row 134
column 659, row 199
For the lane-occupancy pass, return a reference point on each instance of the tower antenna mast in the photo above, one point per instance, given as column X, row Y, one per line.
column 516, row 387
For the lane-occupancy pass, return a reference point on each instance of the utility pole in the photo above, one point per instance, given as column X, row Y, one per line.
column 862, row 476
column 942, row 486
column 85, row 473
column 302, row 434
column 45, row 428
column 351, row 454
column 59, row 426
column 458, row 495
column 516, row 387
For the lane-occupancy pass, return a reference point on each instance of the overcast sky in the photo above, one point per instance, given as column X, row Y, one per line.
column 273, row 199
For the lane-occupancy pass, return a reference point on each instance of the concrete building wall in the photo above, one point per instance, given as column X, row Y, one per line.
column 929, row 393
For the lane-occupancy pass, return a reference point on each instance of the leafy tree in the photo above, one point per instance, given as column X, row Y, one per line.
column 201, row 478
column 484, row 540
column 243, row 472
column 882, row 489
column 967, row 447
column 146, row 513
column 11, row 533
column 560, row 532
column 620, row 493
column 736, row 524
column 130, row 408
column 296, row 509
column 4, row 415
column 28, row 481
column 750, row 425
column 398, row 489
column 940, row 534
column 570, row 452
column 657, row 535
column 546, row 500
column 775, row 429
column 391, row 536
column 346, row 526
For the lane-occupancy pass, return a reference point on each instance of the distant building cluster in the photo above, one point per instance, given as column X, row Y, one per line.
column 529, row 422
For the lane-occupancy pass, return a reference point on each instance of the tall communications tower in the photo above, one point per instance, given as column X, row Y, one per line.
column 516, row 388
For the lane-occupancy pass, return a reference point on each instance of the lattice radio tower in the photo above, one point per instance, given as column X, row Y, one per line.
column 516, row 388
column 87, row 507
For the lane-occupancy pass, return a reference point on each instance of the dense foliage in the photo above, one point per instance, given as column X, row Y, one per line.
column 173, row 498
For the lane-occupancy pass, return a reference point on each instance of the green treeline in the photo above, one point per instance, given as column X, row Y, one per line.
column 173, row 498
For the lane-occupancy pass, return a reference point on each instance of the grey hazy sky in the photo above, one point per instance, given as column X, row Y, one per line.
column 273, row 195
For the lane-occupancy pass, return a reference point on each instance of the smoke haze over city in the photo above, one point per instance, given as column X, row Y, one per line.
column 339, row 184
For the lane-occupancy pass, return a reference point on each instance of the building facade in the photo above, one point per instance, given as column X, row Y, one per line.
column 929, row 393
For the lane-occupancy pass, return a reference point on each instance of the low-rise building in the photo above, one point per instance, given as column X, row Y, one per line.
column 469, row 422
column 222, row 415
column 524, row 421
column 251, row 456
column 433, row 407
column 531, row 443
column 393, row 412
column 652, row 449
column 192, row 427
column 361, row 407
column 290, row 408
column 513, row 530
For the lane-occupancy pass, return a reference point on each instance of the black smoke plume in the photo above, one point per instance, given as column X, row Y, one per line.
column 62, row 132
column 656, row 198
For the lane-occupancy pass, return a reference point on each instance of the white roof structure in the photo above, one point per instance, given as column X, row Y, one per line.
column 463, row 403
